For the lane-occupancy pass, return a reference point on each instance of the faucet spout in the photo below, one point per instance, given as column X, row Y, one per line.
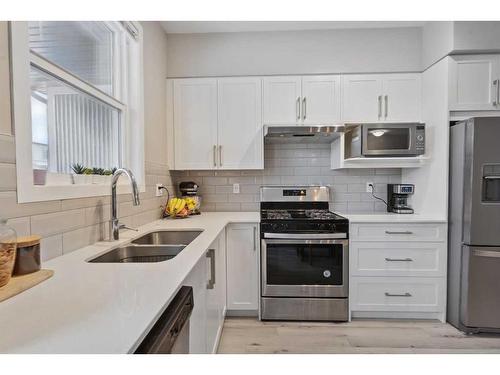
column 114, row 227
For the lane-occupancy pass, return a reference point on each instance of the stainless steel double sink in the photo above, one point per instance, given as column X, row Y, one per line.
column 152, row 247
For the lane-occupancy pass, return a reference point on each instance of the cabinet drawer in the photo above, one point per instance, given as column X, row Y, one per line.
column 398, row 258
column 398, row 232
column 397, row 294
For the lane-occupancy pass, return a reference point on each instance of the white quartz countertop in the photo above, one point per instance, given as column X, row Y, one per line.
column 392, row 218
column 104, row 307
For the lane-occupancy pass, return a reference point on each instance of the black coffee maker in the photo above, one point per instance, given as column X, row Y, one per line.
column 397, row 198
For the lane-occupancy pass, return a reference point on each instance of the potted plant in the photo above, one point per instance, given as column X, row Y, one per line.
column 88, row 175
column 78, row 176
column 108, row 174
column 98, row 176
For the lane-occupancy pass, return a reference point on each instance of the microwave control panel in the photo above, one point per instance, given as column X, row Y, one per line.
column 420, row 139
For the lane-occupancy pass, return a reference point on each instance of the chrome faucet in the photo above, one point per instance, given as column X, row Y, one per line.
column 114, row 225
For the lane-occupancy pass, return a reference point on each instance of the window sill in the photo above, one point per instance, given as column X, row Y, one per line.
column 36, row 193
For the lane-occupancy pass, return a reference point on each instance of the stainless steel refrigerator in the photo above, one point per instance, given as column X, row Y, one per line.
column 474, row 226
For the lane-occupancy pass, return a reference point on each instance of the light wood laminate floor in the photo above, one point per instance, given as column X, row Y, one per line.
column 248, row 335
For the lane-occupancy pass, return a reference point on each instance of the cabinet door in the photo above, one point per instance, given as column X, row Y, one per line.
column 402, row 97
column 240, row 137
column 320, row 99
column 362, row 98
column 242, row 256
column 195, row 123
column 282, row 100
column 472, row 82
column 212, row 301
column 216, row 292
column 198, row 320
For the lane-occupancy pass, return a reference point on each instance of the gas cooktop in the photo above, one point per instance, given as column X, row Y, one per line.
column 299, row 214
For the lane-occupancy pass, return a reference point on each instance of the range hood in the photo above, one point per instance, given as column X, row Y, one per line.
column 302, row 133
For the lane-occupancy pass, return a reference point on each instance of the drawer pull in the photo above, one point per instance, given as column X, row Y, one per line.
column 398, row 232
column 398, row 260
column 387, row 294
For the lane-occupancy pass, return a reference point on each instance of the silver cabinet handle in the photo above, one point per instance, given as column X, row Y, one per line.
column 495, row 89
column 398, row 232
column 387, row 294
column 220, row 155
column 386, row 105
column 398, row 260
column 297, row 108
column 304, row 104
column 211, row 256
column 498, row 92
column 215, row 156
column 379, row 106
column 254, row 239
column 492, row 177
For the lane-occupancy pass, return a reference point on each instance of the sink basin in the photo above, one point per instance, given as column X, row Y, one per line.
column 168, row 237
column 139, row 254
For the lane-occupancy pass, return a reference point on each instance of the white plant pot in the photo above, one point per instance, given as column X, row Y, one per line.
column 80, row 179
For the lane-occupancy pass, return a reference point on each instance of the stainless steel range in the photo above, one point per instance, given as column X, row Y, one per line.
column 304, row 255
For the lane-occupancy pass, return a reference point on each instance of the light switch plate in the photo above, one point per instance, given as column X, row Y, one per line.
column 236, row 188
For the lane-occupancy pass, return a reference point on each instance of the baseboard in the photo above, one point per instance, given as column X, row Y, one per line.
column 398, row 315
column 243, row 313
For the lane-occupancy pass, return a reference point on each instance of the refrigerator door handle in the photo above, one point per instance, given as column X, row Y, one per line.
column 487, row 253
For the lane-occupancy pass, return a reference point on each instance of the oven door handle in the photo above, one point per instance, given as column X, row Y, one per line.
column 306, row 242
column 305, row 236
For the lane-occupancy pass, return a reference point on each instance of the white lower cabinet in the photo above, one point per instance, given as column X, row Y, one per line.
column 242, row 267
column 398, row 270
column 208, row 279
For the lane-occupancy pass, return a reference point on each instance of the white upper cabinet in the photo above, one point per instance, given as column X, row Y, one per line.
column 320, row 99
column 402, row 99
column 474, row 82
column 282, row 100
column 195, row 123
column 381, row 97
column 362, row 98
column 217, row 123
column 301, row 100
column 240, row 139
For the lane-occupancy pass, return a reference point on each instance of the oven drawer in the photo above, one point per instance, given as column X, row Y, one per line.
column 398, row 259
column 398, row 232
column 397, row 294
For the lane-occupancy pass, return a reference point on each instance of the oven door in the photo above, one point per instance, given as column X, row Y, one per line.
column 304, row 267
column 389, row 139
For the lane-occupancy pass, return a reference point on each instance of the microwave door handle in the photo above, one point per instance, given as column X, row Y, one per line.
column 386, row 97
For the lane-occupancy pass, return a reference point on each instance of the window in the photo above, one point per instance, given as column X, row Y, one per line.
column 77, row 99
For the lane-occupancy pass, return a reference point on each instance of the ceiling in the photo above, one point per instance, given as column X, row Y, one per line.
column 187, row 27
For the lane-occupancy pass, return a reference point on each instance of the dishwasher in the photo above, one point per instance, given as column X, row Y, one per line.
column 170, row 334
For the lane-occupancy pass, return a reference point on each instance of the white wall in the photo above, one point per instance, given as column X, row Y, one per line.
column 294, row 52
column 437, row 41
column 476, row 36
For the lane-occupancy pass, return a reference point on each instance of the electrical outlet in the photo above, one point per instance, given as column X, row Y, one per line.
column 369, row 187
column 236, row 188
column 159, row 190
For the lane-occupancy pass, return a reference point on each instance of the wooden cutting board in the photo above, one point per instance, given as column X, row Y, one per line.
column 19, row 284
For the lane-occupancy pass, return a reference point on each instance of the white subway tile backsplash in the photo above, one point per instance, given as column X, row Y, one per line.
column 292, row 164
column 58, row 222
column 21, row 225
column 51, row 247
column 8, row 177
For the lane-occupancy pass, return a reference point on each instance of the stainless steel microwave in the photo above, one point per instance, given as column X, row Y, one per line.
column 381, row 140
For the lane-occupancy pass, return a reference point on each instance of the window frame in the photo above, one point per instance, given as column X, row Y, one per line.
column 128, row 98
